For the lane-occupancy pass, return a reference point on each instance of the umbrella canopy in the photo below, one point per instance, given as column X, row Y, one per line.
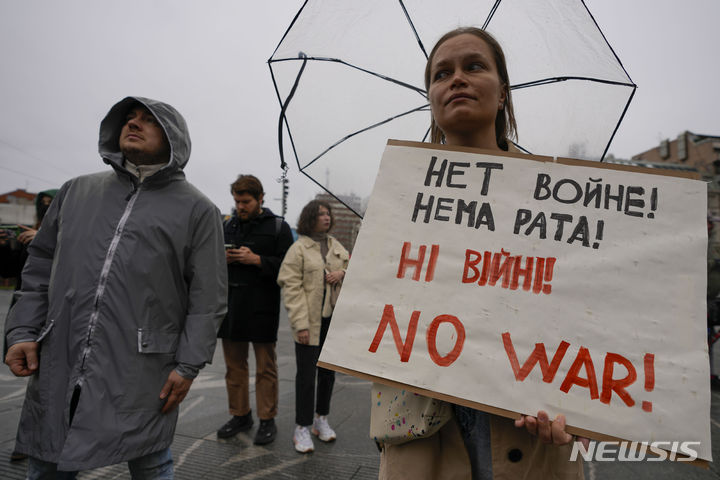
column 349, row 75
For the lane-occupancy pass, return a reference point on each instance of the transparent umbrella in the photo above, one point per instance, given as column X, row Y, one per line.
column 349, row 75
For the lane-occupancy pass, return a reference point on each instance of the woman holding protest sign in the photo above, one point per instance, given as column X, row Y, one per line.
column 469, row 92
column 311, row 276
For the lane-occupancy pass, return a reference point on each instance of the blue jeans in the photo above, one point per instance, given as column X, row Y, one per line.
column 154, row 466
column 475, row 428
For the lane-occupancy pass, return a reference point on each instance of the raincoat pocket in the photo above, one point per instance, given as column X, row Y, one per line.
column 149, row 370
column 154, row 341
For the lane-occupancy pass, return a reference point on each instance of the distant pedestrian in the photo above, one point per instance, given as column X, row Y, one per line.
column 13, row 249
column 311, row 276
column 123, row 292
column 13, row 254
column 256, row 241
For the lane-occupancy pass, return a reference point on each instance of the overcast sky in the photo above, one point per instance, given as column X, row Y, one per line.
column 65, row 62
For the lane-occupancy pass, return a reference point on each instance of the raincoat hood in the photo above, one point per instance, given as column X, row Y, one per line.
column 41, row 209
column 173, row 124
column 45, row 193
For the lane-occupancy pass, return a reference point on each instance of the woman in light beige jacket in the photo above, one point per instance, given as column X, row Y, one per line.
column 310, row 276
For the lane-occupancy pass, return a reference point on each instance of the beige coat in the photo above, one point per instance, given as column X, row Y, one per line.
column 516, row 455
column 439, row 456
column 302, row 279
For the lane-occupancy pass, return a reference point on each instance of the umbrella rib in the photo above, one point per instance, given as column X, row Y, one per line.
column 283, row 164
column 491, row 14
column 283, row 118
column 343, row 62
column 546, row 81
column 608, row 44
column 363, row 130
column 412, row 25
column 331, row 194
column 622, row 116
column 517, row 145
column 297, row 15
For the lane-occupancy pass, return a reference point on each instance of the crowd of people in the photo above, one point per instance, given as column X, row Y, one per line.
column 124, row 286
column 133, row 275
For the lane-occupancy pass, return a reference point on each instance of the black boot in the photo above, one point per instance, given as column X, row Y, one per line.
column 266, row 432
column 236, row 425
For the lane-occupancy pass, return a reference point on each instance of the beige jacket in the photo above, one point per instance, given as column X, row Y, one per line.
column 302, row 279
column 439, row 456
column 516, row 455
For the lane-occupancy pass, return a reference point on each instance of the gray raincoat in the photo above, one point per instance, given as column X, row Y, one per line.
column 125, row 281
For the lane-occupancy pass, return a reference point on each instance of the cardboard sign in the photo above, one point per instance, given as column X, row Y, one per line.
column 514, row 284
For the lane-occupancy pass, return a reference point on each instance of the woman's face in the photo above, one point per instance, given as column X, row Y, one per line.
column 465, row 89
column 322, row 224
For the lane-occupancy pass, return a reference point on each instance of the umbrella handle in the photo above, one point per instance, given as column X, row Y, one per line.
column 282, row 118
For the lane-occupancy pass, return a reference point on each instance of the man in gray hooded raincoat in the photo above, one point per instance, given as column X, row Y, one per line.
column 123, row 292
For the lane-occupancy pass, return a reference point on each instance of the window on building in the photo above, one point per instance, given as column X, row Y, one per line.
column 664, row 149
column 682, row 147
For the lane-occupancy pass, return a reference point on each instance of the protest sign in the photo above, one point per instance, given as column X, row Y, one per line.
column 516, row 282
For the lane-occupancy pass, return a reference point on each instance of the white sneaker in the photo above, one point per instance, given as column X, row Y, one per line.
column 302, row 440
column 322, row 429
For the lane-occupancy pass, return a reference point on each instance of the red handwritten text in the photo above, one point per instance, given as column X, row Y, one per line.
column 583, row 361
column 508, row 269
column 404, row 347
column 417, row 263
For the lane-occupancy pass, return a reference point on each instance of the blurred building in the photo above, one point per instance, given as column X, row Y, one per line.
column 347, row 223
column 17, row 207
column 699, row 151
column 688, row 152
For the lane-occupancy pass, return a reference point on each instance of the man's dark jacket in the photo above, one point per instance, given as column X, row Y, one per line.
column 253, row 293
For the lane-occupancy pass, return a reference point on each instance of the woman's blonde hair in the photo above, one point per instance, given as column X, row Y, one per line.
column 505, row 126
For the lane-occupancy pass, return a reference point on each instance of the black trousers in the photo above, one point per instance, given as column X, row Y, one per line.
column 306, row 357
